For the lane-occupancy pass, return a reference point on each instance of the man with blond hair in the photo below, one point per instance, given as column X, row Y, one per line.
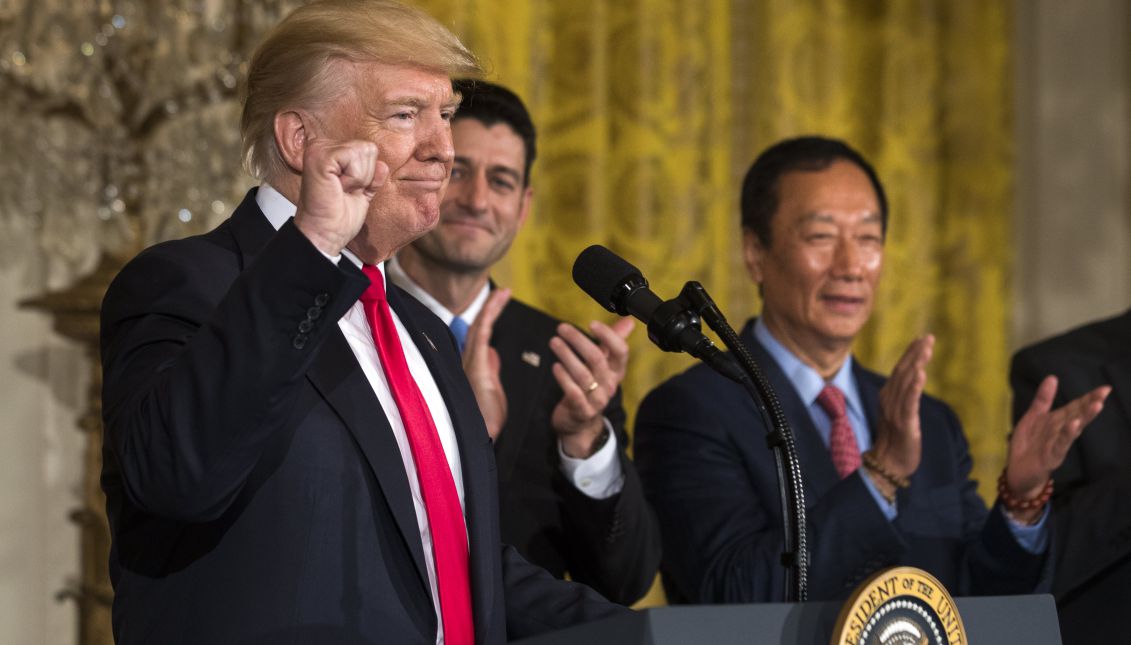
column 292, row 453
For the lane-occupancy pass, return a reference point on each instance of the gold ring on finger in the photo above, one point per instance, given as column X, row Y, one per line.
column 592, row 386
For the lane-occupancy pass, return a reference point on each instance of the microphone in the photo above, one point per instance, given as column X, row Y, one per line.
column 613, row 283
column 673, row 325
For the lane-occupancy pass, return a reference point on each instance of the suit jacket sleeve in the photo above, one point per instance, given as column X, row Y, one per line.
column 615, row 542
column 199, row 358
column 537, row 602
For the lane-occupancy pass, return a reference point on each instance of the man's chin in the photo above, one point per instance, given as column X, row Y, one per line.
column 465, row 262
column 424, row 222
column 430, row 214
column 436, row 250
column 843, row 331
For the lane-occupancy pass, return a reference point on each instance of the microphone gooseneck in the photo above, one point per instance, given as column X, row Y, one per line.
column 675, row 326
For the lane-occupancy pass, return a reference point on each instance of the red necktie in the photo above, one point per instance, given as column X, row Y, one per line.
column 842, row 441
column 445, row 517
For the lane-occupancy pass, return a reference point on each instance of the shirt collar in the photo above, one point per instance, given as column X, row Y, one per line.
column 401, row 279
column 274, row 205
column 806, row 381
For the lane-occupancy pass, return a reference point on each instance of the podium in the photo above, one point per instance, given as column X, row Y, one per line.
column 997, row 619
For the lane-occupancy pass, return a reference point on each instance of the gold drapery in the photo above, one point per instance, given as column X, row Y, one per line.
column 651, row 111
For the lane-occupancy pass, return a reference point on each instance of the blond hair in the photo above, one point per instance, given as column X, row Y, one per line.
column 294, row 65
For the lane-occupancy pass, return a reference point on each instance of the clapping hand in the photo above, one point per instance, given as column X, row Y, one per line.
column 481, row 364
column 1042, row 437
column 589, row 373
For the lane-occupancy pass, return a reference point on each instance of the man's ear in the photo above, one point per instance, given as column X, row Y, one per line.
column 290, row 138
column 524, row 208
column 754, row 254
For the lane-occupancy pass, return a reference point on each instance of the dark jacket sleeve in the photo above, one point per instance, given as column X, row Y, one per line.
column 617, row 545
column 538, row 603
column 200, row 359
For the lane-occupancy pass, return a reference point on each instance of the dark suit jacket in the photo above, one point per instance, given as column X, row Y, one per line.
column 701, row 451
column 611, row 544
column 1092, row 580
column 254, row 488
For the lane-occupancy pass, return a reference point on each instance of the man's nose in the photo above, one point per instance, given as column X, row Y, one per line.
column 435, row 143
column 848, row 261
column 473, row 193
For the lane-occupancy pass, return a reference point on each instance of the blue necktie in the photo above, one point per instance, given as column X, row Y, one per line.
column 459, row 330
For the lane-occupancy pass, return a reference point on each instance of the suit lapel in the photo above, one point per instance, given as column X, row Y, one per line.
column 869, row 393
column 472, row 440
column 524, row 369
column 817, row 465
column 337, row 375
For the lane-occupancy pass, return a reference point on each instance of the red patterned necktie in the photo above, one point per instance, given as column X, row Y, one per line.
column 842, row 441
column 441, row 502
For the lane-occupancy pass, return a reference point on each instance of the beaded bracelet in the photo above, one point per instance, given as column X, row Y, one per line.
column 1013, row 504
column 871, row 464
column 889, row 498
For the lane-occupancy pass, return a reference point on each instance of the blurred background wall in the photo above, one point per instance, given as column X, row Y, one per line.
column 1001, row 130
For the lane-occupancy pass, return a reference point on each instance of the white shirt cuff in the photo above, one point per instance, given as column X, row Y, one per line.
column 600, row 476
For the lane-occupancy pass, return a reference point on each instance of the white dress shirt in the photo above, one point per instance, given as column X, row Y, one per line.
column 355, row 326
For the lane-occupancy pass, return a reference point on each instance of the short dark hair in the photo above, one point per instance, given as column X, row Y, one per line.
column 811, row 153
column 491, row 104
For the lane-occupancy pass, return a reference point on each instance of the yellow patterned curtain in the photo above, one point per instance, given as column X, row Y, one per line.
column 651, row 111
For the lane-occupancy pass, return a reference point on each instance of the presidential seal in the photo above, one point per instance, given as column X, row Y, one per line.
column 899, row 606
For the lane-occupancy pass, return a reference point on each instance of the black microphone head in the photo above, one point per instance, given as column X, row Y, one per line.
column 603, row 275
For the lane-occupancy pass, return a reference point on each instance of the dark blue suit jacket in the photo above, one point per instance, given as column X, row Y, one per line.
column 701, row 452
column 254, row 488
